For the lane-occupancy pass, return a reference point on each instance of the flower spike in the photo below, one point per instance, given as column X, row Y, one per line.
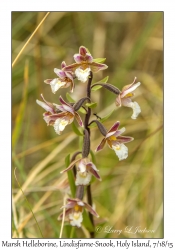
column 62, row 114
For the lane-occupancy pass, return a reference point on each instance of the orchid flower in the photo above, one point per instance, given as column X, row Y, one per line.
column 124, row 98
column 85, row 170
column 84, row 64
column 74, row 209
column 59, row 116
column 64, row 80
column 50, row 109
column 116, row 142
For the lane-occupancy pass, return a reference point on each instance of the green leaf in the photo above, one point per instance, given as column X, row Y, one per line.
column 80, row 142
column 99, row 60
column 67, row 160
column 91, row 105
column 104, row 80
column 76, row 130
column 70, row 176
column 107, row 116
column 72, row 233
column 69, row 98
column 96, row 88
column 82, row 110
column 87, row 222
column 93, row 157
column 102, row 120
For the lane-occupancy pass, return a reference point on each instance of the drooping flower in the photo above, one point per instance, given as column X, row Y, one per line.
column 50, row 110
column 116, row 142
column 74, row 210
column 85, row 170
column 59, row 116
column 64, row 80
column 124, row 98
column 84, row 64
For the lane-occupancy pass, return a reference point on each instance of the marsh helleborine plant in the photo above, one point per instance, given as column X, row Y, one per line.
column 59, row 116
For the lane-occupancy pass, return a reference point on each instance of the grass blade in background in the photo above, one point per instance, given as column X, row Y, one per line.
column 19, row 119
column 70, row 176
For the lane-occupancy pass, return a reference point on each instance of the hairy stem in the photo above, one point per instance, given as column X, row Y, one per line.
column 86, row 150
column 86, row 123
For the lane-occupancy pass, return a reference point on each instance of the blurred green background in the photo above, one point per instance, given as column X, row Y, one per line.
column 131, row 191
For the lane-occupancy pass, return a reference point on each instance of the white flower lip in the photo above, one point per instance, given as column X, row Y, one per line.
column 81, row 74
column 121, row 151
column 135, row 107
column 83, row 180
column 56, row 84
column 76, row 218
column 60, row 125
column 136, row 110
